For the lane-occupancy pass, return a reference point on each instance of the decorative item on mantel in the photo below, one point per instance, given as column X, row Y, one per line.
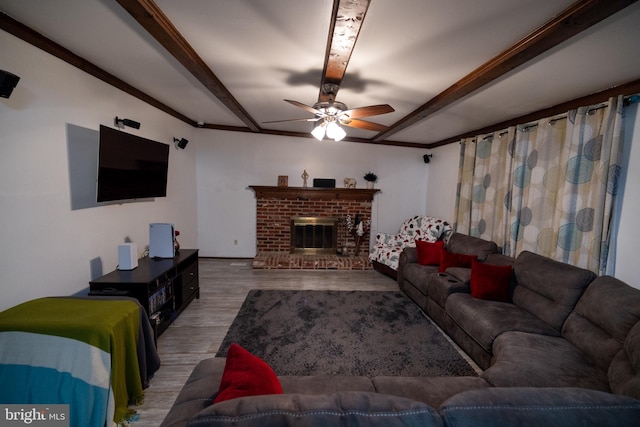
column 305, row 176
column 349, row 183
column 370, row 177
column 357, row 226
column 176, row 244
column 283, row 180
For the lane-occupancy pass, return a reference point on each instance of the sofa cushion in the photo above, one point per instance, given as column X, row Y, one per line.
column 430, row 390
column 344, row 408
column 462, row 244
column 548, row 289
column 558, row 407
column 522, row 359
column 624, row 371
column 451, row 259
column 324, row 384
column 601, row 320
column 490, row 282
column 484, row 320
column 499, row 259
column 246, row 375
column 429, row 253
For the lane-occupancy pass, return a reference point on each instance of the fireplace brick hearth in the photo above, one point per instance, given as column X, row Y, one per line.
column 275, row 206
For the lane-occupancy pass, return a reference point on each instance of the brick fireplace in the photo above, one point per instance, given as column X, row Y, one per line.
column 276, row 206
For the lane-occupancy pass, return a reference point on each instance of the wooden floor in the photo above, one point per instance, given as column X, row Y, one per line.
column 200, row 329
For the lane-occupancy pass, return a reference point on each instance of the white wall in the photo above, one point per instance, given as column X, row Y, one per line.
column 627, row 267
column 48, row 248
column 443, row 177
column 229, row 162
column 443, row 180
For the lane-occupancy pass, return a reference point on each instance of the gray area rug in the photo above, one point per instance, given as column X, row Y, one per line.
column 342, row 333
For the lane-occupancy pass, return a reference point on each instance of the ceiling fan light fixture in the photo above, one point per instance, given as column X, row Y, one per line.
column 339, row 134
column 332, row 130
column 335, row 132
column 318, row 132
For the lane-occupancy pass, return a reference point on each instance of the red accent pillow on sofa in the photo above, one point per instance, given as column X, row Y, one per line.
column 246, row 375
column 490, row 282
column 429, row 253
column 449, row 259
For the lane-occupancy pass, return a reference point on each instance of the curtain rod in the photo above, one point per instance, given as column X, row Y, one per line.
column 627, row 101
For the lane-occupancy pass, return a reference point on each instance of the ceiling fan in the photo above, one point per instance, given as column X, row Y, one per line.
column 332, row 113
column 347, row 17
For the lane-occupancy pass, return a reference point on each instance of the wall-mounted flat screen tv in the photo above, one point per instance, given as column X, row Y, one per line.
column 130, row 167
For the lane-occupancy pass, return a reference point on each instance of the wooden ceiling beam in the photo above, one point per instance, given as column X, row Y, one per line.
column 36, row 39
column 573, row 20
column 347, row 17
column 156, row 23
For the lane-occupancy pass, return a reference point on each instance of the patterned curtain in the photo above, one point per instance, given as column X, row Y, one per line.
column 537, row 177
column 464, row 191
column 593, row 174
column 484, row 186
column 547, row 187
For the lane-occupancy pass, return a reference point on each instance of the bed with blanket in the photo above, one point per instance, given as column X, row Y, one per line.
column 94, row 354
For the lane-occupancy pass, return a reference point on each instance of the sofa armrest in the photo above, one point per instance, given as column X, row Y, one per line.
column 408, row 255
column 197, row 393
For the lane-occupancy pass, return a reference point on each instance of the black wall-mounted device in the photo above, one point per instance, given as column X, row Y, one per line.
column 8, row 81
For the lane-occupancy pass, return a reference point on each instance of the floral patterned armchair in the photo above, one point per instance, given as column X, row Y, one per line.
column 387, row 247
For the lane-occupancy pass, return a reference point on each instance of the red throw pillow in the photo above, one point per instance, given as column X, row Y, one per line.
column 429, row 253
column 490, row 282
column 246, row 375
column 450, row 259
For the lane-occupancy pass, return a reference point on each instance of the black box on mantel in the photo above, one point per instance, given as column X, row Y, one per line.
column 324, row 182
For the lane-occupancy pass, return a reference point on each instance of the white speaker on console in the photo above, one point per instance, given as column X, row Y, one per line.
column 161, row 238
column 127, row 256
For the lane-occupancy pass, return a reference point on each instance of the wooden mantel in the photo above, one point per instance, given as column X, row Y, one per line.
column 314, row 193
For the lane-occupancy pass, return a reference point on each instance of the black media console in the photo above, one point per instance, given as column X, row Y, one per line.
column 164, row 286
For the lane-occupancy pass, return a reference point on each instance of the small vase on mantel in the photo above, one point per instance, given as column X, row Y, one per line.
column 370, row 177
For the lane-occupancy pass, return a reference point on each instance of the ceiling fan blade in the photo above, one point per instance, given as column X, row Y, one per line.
column 371, row 110
column 303, row 106
column 363, row 124
column 312, row 119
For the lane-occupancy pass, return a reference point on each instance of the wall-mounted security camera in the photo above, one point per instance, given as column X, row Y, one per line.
column 427, row 158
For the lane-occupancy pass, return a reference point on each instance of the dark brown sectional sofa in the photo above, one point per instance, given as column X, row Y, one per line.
column 563, row 351
column 562, row 327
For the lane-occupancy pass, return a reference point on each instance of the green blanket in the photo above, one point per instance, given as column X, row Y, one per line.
column 110, row 325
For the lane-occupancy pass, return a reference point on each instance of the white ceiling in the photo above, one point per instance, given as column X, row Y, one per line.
column 408, row 51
